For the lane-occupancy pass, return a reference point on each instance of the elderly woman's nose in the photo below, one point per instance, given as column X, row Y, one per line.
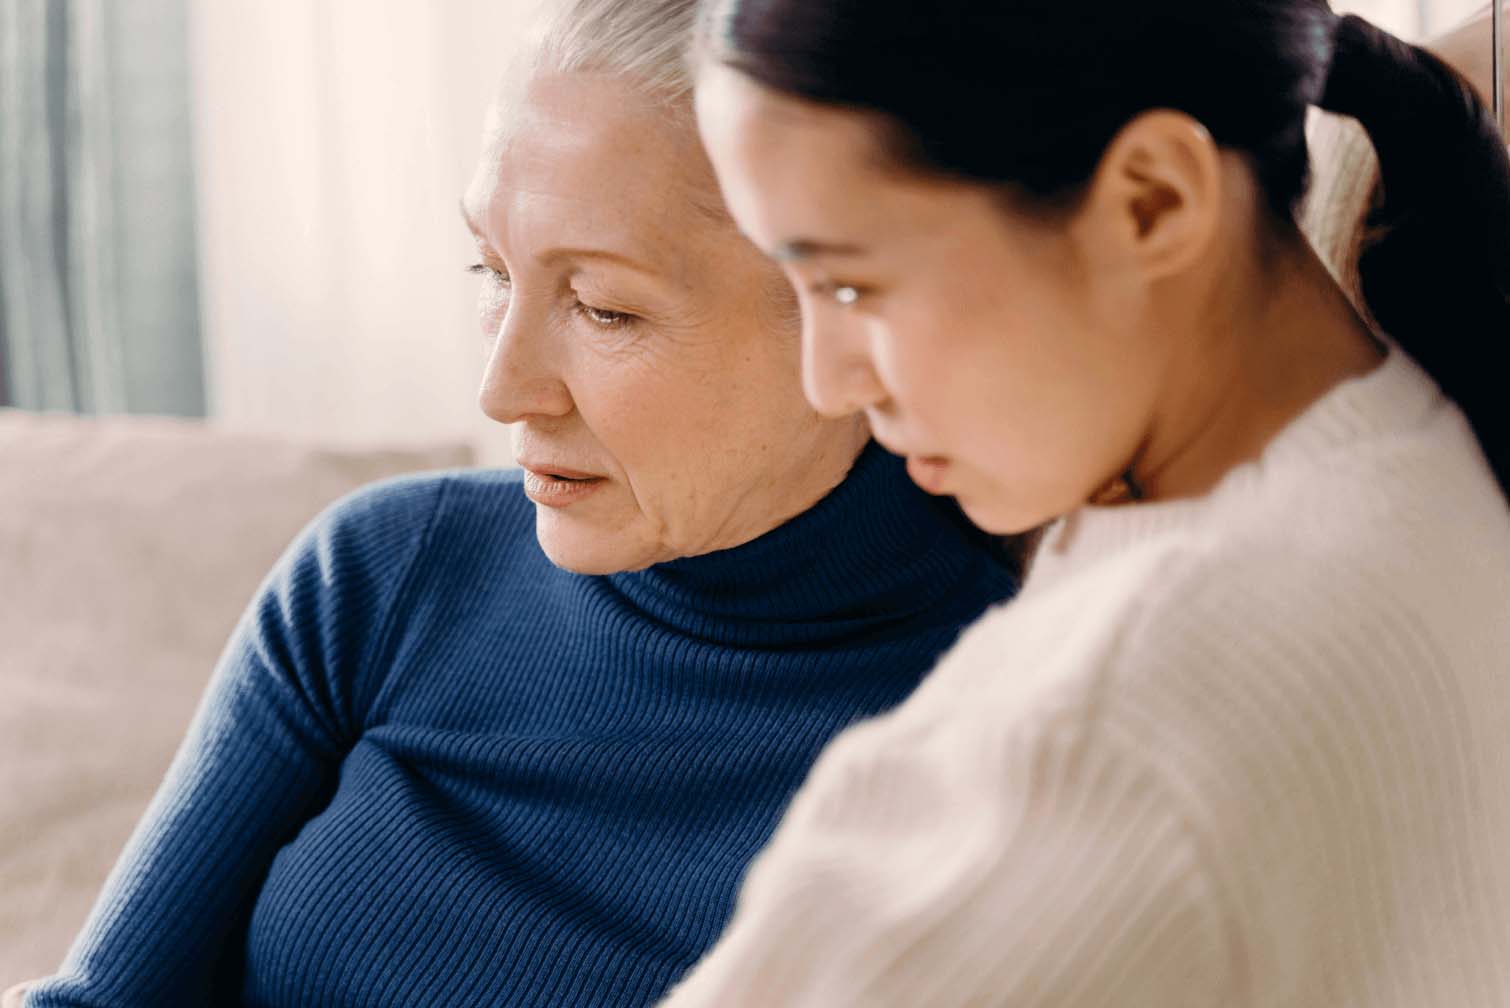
column 520, row 380
column 837, row 375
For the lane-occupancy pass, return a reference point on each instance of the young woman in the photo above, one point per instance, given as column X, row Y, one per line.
column 1242, row 738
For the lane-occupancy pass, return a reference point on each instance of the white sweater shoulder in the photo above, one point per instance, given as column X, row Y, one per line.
column 1243, row 750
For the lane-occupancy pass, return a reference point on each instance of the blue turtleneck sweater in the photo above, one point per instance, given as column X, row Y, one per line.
column 433, row 769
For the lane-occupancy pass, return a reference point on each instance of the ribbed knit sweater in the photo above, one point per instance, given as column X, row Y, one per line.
column 433, row 769
column 1250, row 750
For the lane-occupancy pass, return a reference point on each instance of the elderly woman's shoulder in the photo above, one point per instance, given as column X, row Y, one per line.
column 428, row 497
column 496, row 493
column 481, row 514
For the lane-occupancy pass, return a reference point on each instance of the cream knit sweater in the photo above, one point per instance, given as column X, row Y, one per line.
column 1251, row 749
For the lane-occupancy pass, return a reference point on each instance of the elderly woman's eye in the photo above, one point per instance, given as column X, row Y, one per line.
column 483, row 269
column 604, row 318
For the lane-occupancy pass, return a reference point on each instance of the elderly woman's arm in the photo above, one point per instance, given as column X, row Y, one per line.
column 260, row 759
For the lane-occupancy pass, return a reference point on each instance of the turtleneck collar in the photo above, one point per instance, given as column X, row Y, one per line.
column 875, row 551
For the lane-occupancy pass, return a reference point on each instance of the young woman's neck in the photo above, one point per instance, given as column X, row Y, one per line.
column 1273, row 334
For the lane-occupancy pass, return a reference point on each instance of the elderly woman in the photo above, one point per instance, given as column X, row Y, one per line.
column 501, row 739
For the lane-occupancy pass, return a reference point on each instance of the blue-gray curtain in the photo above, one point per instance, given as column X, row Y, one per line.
column 99, row 309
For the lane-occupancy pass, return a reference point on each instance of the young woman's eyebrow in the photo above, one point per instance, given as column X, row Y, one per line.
column 798, row 249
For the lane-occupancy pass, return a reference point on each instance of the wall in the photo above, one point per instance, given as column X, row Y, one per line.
column 333, row 141
column 1411, row 19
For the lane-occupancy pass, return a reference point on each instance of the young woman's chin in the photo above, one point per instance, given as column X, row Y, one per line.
column 996, row 514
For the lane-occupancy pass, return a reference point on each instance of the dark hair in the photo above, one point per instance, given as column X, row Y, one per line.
column 1029, row 93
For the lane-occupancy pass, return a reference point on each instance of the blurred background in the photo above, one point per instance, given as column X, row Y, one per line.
column 246, row 209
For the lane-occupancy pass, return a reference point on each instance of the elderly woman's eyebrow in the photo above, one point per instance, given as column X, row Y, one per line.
column 605, row 255
column 799, row 249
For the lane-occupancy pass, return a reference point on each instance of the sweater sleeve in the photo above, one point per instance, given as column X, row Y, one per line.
column 259, row 759
column 960, row 853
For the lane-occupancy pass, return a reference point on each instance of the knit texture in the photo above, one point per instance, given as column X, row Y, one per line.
column 1248, row 750
column 433, row 769
column 1344, row 187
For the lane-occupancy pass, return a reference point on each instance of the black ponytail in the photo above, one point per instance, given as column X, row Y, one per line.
column 1436, row 274
column 1027, row 94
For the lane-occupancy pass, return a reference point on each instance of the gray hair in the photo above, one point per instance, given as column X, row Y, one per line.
column 645, row 41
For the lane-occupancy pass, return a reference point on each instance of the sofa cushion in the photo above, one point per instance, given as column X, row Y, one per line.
column 128, row 549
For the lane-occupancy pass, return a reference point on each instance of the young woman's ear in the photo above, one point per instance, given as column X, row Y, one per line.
column 1157, row 197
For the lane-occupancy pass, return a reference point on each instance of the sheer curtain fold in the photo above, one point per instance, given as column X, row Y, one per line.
column 334, row 139
column 98, row 292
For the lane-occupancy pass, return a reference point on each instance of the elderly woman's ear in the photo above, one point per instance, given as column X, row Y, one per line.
column 1468, row 48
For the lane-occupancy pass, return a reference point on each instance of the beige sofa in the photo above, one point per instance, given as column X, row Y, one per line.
column 128, row 548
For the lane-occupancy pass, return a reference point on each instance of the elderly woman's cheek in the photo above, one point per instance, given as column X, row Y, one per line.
column 635, row 345
column 492, row 307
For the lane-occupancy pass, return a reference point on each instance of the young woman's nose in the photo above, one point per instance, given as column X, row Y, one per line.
column 837, row 374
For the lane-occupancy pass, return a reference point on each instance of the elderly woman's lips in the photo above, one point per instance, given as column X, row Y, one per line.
column 557, row 489
column 928, row 472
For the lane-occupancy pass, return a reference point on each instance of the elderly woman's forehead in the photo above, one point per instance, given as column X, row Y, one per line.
column 595, row 139
column 593, row 115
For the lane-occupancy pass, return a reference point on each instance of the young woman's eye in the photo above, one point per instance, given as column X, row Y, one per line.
column 843, row 294
column 603, row 318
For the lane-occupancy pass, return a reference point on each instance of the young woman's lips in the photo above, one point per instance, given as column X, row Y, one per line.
column 558, row 489
column 928, row 472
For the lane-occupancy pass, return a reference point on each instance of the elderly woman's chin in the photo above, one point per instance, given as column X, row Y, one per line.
column 597, row 539
column 716, row 497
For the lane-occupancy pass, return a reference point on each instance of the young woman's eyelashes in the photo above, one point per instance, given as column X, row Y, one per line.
column 602, row 318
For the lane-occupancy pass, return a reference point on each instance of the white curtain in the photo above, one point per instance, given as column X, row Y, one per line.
column 98, row 305
column 335, row 138
column 1413, row 20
